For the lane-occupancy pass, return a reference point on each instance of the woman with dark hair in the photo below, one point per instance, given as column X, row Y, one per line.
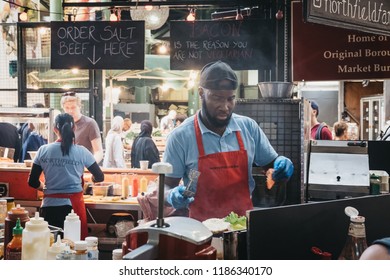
column 63, row 163
column 144, row 147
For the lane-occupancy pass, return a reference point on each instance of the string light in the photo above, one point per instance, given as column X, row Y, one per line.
column 23, row 16
column 191, row 15
column 239, row 15
column 113, row 16
column 149, row 7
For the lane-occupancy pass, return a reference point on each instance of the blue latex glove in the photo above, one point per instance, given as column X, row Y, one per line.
column 177, row 200
column 283, row 168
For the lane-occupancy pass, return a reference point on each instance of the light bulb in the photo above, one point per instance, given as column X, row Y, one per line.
column 113, row 17
column 23, row 16
column 191, row 16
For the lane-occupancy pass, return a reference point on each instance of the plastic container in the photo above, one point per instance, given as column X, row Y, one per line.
column 10, row 221
column 13, row 251
column 135, row 186
column 125, row 186
column 81, row 250
column 117, row 254
column 36, row 239
column 375, row 184
column 92, row 247
column 72, row 227
column 143, row 185
column 56, row 248
column 384, row 180
column 100, row 190
column 3, row 210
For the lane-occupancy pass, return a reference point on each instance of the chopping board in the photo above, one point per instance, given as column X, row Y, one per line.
column 110, row 199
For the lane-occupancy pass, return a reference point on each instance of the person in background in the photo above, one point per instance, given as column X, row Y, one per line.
column 27, row 127
column 340, row 130
column 180, row 118
column 87, row 130
column 113, row 157
column 63, row 163
column 144, row 147
column 126, row 129
column 379, row 250
column 9, row 138
column 168, row 122
column 37, row 138
column 223, row 147
column 319, row 131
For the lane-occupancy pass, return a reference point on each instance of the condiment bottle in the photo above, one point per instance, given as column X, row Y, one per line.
column 117, row 254
column 125, row 186
column 67, row 254
column 36, row 239
column 10, row 202
column 56, row 248
column 3, row 210
column 13, row 251
column 72, row 227
column 81, row 250
column 10, row 221
column 92, row 247
column 375, row 184
column 134, row 186
column 143, row 185
column 356, row 241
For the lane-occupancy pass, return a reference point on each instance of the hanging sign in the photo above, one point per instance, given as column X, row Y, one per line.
column 364, row 15
column 98, row 45
column 330, row 53
column 244, row 44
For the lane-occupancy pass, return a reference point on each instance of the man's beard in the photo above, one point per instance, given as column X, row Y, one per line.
column 212, row 120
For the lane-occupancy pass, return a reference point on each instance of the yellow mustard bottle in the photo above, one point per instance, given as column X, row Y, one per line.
column 143, row 184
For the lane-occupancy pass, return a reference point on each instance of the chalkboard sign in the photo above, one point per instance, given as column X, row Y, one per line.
column 245, row 45
column 363, row 15
column 98, row 45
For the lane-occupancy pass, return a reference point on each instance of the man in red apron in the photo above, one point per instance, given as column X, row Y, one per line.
column 222, row 146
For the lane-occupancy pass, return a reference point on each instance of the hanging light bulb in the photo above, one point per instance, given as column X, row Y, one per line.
column 191, row 15
column 239, row 15
column 23, row 16
column 113, row 16
column 148, row 7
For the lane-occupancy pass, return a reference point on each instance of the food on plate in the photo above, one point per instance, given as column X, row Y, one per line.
column 270, row 182
column 216, row 225
column 236, row 222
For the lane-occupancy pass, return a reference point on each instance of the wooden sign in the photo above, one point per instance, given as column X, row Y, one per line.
column 245, row 44
column 98, row 45
column 326, row 53
column 364, row 15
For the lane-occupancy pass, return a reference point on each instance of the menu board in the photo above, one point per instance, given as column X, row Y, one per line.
column 244, row 44
column 363, row 15
column 98, row 45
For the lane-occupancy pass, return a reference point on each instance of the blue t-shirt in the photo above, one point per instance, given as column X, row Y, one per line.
column 62, row 173
column 182, row 151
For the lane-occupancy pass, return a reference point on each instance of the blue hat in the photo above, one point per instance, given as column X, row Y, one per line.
column 213, row 73
column 314, row 106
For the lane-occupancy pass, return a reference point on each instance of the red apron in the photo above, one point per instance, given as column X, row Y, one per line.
column 78, row 205
column 223, row 182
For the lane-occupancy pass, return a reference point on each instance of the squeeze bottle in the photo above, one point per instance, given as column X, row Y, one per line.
column 56, row 248
column 72, row 227
column 36, row 239
column 10, row 222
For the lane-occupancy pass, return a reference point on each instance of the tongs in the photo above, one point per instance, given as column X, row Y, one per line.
column 193, row 176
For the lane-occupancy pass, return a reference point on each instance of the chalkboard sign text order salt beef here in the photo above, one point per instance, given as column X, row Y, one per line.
column 245, row 45
column 98, row 45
